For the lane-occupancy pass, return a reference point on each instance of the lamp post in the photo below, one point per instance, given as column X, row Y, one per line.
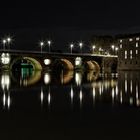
column 41, row 45
column 100, row 50
column 113, row 48
column 49, row 43
column 93, row 48
column 81, row 46
column 116, row 50
column 4, row 43
column 71, row 47
column 8, row 42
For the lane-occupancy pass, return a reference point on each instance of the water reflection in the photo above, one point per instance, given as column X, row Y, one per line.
column 81, row 97
column 26, row 77
column 78, row 78
column 47, row 78
column 5, row 81
column 92, row 76
column 5, row 86
column 71, row 94
column 116, row 89
column 66, row 76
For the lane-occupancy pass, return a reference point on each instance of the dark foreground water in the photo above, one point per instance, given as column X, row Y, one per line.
column 69, row 105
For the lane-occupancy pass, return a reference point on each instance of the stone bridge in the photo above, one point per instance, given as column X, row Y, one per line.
column 12, row 59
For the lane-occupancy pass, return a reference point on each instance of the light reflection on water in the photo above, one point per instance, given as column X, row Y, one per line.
column 70, row 87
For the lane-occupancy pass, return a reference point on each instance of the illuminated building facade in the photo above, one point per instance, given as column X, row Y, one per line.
column 129, row 52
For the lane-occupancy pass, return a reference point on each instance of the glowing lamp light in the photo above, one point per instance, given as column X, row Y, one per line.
column 41, row 44
column 113, row 47
column 8, row 39
column 78, row 61
column 93, row 47
column 47, row 61
column 116, row 48
column 49, row 42
column 5, row 58
column 4, row 41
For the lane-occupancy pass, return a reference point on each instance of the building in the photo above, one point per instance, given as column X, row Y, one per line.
column 129, row 52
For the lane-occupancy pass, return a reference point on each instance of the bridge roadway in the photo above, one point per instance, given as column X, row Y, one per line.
column 18, row 52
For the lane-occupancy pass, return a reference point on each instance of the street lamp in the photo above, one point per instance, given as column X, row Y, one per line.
column 49, row 43
column 8, row 42
column 71, row 47
column 4, row 43
column 93, row 47
column 41, row 45
column 113, row 48
column 81, row 45
column 116, row 49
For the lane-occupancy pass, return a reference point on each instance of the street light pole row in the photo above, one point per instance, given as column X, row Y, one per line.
column 80, row 45
column 6, row 41
column 42, row 44
column 115, row 49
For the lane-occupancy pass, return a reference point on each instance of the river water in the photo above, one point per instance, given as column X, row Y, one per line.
column 69, row 105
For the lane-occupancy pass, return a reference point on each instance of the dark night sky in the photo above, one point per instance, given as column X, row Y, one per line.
column 98, row 16
column 102, row 14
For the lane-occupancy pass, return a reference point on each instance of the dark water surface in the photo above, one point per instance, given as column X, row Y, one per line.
column 69, row 105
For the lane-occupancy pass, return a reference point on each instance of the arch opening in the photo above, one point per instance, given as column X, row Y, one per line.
column 63, row 64
column 25, row 62
column 92, row 65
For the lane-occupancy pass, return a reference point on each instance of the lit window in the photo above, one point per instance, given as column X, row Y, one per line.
column 137, row 44
column 120, row 46
column 121, row 41
column 125, row 54
column 137, row 38
column 131, row 54
column 130, row 39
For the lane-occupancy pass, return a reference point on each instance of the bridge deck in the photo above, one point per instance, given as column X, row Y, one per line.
column 17, row 52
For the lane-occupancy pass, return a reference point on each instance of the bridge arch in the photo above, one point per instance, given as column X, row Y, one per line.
column 63, row 64
column 35, row 63
column 92, row 65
